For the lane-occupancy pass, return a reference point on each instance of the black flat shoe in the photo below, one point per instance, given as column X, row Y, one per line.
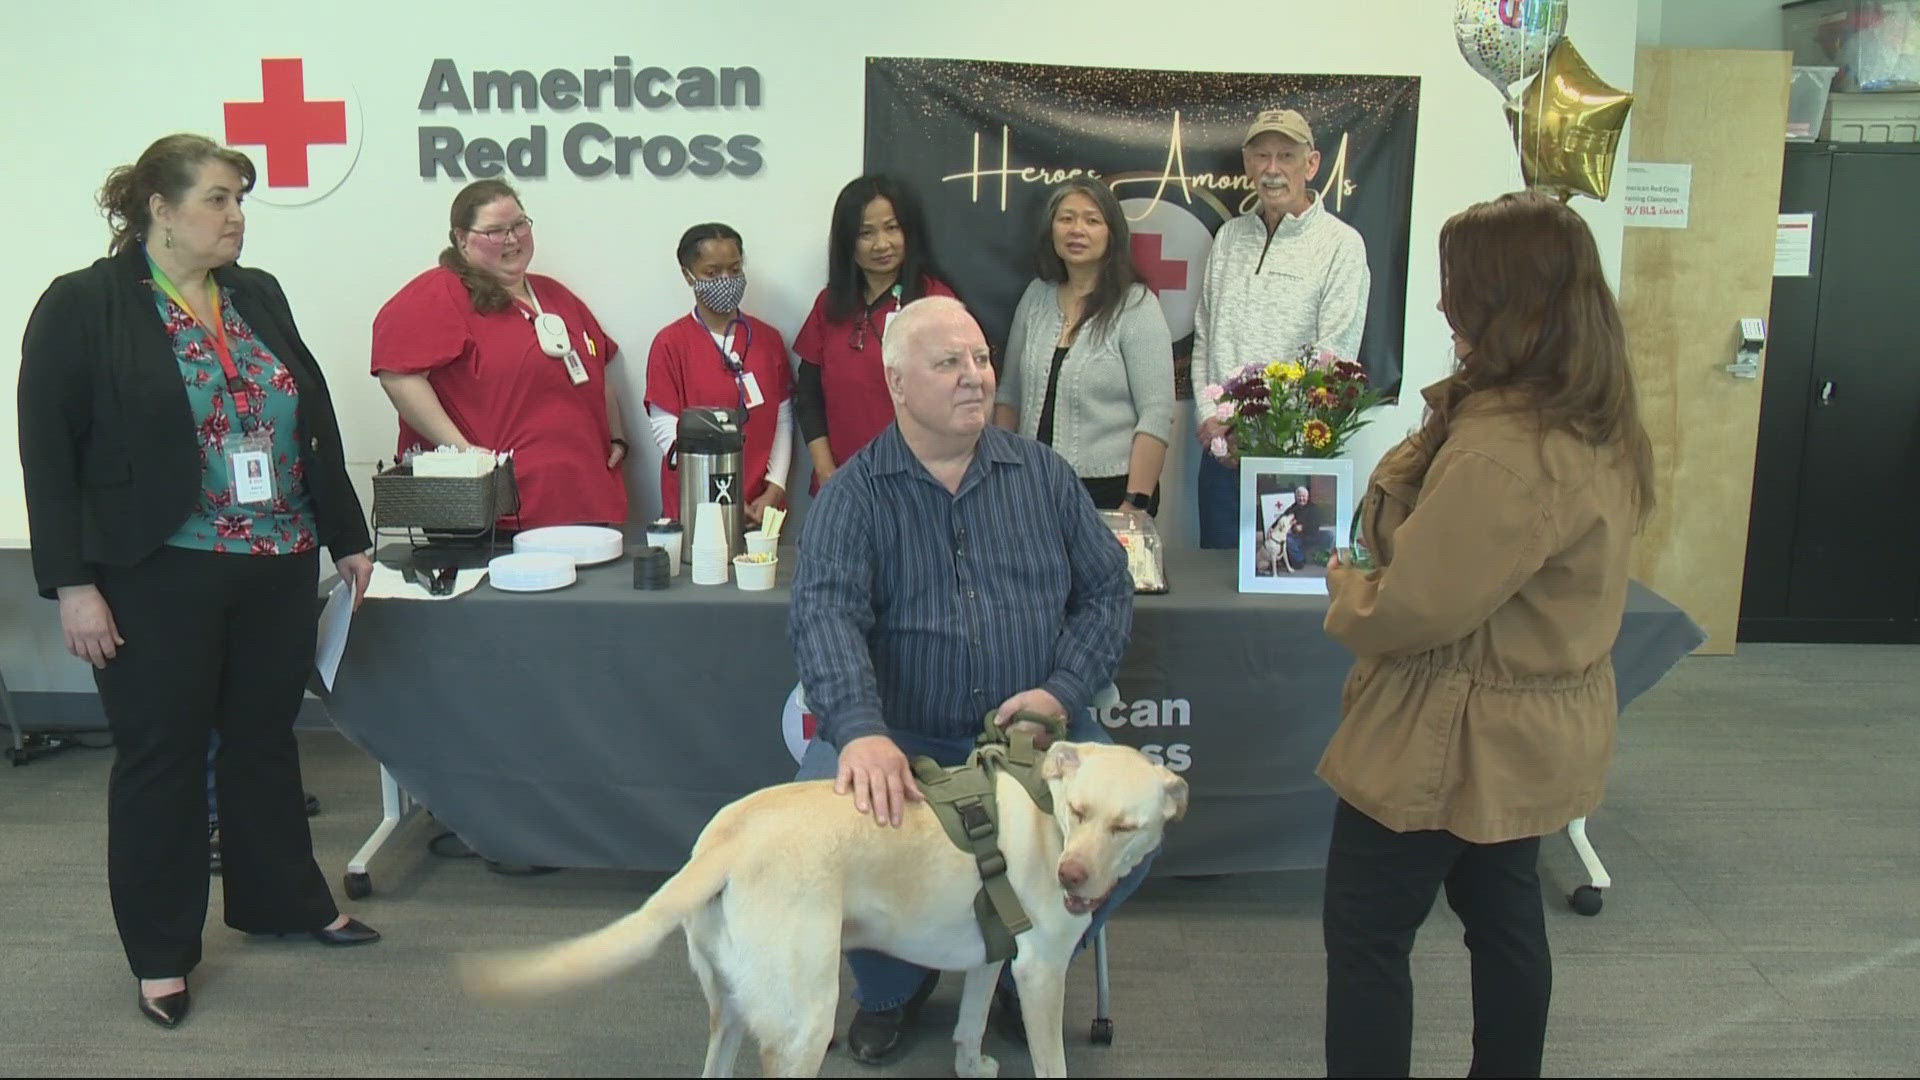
column 168, row 1010
column 354, row 932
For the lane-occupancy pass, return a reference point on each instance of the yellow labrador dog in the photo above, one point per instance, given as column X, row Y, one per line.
column 783, row 880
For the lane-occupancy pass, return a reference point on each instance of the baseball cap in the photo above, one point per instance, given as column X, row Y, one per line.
column 1285, row 121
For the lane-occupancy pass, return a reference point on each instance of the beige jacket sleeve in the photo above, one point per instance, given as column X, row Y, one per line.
column 1478, row 534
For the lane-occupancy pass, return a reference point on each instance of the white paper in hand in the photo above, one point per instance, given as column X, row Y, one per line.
column 335, row 618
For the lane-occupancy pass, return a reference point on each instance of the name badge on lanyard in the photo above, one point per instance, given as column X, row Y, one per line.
column 250, row 461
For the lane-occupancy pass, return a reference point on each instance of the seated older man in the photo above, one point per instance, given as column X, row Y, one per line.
column 947, row 570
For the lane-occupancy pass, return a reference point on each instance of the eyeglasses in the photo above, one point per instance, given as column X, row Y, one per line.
column 498, row 234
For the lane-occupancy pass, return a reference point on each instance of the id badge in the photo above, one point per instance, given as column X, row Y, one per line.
column 752, row 386
column 576, row 370
column 250, row 468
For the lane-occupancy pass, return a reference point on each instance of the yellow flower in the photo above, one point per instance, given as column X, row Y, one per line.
column 1317, row 433
column 1274, row 369
column 1292, row 373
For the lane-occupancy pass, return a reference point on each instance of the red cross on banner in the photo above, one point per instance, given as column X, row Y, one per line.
column 285, row 122
column 1158, row 273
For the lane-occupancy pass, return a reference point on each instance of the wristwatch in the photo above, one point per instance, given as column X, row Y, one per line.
column 1137, row 500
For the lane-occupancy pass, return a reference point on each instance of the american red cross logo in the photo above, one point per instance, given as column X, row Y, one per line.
column 285, row 122
column 1158, row 273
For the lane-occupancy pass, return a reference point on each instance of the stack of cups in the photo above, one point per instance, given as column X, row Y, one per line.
column 665, row 533
column 651, row 569
column 709, row 553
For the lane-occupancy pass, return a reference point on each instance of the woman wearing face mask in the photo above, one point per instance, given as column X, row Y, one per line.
column 479, row 352
column 1089, row 367
column 878, row 261
column 719, row 357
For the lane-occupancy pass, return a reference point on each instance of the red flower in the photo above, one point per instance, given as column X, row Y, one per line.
column 305, row 541
column 298, row 470
column 283, row 381
column 219, row 499
column 214, row 429
column 263, row 545
column 219, row 548
column 235, row 526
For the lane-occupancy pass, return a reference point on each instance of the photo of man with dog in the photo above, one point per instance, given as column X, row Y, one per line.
column 1294, row 531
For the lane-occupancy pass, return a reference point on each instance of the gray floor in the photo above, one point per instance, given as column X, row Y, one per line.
column 1759, row 827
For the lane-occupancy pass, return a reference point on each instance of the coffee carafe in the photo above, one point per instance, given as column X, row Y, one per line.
column 708, row 457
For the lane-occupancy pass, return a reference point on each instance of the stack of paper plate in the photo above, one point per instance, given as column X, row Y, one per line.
column 586, row 545
column 530, row 571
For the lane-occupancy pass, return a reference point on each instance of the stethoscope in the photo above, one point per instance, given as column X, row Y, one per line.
column 734, row 365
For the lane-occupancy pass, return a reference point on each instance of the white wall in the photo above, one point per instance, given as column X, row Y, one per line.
column 1721, row 24
column 1711, row 24
column 106, row 84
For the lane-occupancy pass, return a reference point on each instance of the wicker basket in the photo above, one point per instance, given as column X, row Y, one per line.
column 402, row 500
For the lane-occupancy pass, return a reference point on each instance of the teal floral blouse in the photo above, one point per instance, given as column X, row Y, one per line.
column 217, row 523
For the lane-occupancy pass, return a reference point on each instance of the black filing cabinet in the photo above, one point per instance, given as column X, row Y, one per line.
column 1833, row 543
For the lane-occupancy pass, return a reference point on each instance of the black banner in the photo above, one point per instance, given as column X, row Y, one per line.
column 983, row 144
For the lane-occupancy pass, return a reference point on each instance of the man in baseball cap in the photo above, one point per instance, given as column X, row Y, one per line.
column 1277, row 280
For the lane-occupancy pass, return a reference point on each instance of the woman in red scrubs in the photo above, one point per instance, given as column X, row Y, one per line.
column 719, row 357
column 878, row 261
column 479, row 352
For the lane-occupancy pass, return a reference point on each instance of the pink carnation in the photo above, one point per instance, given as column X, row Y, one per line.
column 1218, row 446
column 1210, row 393
column 1223, row 411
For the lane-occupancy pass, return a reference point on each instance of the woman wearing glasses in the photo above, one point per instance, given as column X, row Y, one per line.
column 878, row 261
column 479, row 352
column 719, row 357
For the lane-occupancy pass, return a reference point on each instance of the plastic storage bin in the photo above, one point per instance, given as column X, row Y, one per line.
column 1807, row 101
column 1874, row 43
column 1872, row 118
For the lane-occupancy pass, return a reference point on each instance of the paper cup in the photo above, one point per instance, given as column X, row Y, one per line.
column 670, row 543
column 759, row 543
column 754, row 576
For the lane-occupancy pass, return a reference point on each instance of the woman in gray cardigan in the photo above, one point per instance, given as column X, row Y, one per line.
column 1089, row 364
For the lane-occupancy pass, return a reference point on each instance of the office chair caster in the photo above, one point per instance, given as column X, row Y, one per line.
column 358, row 886
column 1585, row 900
column 1102, row 1033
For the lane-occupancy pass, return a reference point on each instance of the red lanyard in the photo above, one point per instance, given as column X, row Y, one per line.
column 217, row 333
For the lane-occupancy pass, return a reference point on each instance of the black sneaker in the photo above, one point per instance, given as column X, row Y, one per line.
column 874, row 1037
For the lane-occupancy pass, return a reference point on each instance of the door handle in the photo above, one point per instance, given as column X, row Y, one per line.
column 1826, row 392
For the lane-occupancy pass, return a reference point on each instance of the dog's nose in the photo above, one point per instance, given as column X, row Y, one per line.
column 1072, row 874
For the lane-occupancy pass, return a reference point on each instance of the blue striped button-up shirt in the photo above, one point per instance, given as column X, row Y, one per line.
column 922, row 610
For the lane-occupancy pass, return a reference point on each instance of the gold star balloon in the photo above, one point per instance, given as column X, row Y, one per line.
column 1567, row 125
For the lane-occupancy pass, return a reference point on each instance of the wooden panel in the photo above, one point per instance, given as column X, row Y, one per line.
column 1683, row 293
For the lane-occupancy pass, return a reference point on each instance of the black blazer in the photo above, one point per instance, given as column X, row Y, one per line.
column 107, row 438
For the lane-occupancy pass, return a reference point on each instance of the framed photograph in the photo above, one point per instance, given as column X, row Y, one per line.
column 1294, row 513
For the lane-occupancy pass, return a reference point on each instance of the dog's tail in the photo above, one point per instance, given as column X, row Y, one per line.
column 609, row 950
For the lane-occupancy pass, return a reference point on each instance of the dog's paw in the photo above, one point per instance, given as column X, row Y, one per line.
column 975, row 1064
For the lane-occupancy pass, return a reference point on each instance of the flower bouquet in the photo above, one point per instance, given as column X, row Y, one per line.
column 1307, row 407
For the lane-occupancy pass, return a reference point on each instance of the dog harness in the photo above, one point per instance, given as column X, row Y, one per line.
column 963, row 799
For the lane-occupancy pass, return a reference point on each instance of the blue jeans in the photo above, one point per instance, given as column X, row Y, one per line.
column 882, row 982
column 1218, row 488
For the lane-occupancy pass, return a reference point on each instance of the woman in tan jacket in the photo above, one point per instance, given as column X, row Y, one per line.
column 1480, row 712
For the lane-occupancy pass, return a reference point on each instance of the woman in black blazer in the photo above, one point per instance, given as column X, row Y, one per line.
column 183, row 468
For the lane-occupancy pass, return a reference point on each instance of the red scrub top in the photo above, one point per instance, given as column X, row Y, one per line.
column 853, row 381
column 504, row 393
column 685, row 371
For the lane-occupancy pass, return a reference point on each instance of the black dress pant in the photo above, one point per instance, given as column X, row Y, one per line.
column 213, row 642
column 1380, row 886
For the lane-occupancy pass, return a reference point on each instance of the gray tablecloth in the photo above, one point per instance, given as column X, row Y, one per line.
column 600, row 726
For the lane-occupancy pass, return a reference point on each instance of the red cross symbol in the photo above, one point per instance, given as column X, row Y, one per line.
column 1158, row 273
column 285, row 122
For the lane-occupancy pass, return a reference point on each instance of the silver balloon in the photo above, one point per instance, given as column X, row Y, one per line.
column 1508, row 40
